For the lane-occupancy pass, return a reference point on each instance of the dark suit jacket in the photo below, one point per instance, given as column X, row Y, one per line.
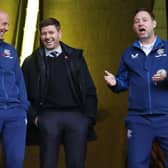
column 35, row 71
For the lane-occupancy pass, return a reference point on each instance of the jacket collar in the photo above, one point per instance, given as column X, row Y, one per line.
column 158, row 43
column 67, row 50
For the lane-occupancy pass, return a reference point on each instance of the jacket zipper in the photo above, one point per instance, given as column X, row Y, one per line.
column 3, row 86
column 149, row 93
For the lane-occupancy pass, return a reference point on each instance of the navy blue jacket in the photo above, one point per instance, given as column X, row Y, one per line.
column 135, row 74
column 12, row 87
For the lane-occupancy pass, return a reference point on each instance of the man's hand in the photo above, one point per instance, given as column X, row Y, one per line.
column 109, row 78
column 160, row 75
column 36, row 121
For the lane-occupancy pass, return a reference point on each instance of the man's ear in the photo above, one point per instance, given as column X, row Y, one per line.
column 154, row 24
column 60, row 34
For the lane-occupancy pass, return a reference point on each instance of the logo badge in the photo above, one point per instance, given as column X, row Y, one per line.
column 7, row 53
column 129, row 133
column 133, row 56
column 161, row 53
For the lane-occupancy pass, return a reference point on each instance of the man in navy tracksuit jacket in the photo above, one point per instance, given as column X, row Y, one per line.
column 143, row 71
column 13, row 101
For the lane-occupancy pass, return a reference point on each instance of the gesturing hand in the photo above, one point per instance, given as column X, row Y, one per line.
column 109, row 78
column 160, row 75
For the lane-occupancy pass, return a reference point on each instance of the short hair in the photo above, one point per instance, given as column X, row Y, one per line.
column 149, row 11
column 50, row 21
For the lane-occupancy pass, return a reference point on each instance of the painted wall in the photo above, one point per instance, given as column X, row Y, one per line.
column 160, row 12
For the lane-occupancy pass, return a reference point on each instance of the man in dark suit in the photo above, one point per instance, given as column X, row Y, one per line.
column 63, row 98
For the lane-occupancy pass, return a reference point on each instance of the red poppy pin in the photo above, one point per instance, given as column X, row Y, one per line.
column 66, row 57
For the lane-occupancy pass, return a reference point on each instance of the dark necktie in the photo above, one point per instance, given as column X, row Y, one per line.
column 54, row 54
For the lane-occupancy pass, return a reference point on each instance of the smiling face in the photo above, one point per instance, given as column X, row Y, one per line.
column 50, row 36
column 144, row 26
column 4, row 24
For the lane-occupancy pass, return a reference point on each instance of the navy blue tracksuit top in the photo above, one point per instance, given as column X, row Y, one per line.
column 135, row 74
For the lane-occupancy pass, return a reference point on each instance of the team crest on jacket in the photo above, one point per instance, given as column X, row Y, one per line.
column 7, row 53
column 129, row 133
column 133, row 56
column 161, row 53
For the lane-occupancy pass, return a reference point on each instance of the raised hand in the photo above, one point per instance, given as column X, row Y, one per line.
column 160, row 75
column 109, row 78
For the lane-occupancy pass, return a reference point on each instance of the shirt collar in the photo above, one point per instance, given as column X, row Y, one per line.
column 147, row 46
column 58, row 49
